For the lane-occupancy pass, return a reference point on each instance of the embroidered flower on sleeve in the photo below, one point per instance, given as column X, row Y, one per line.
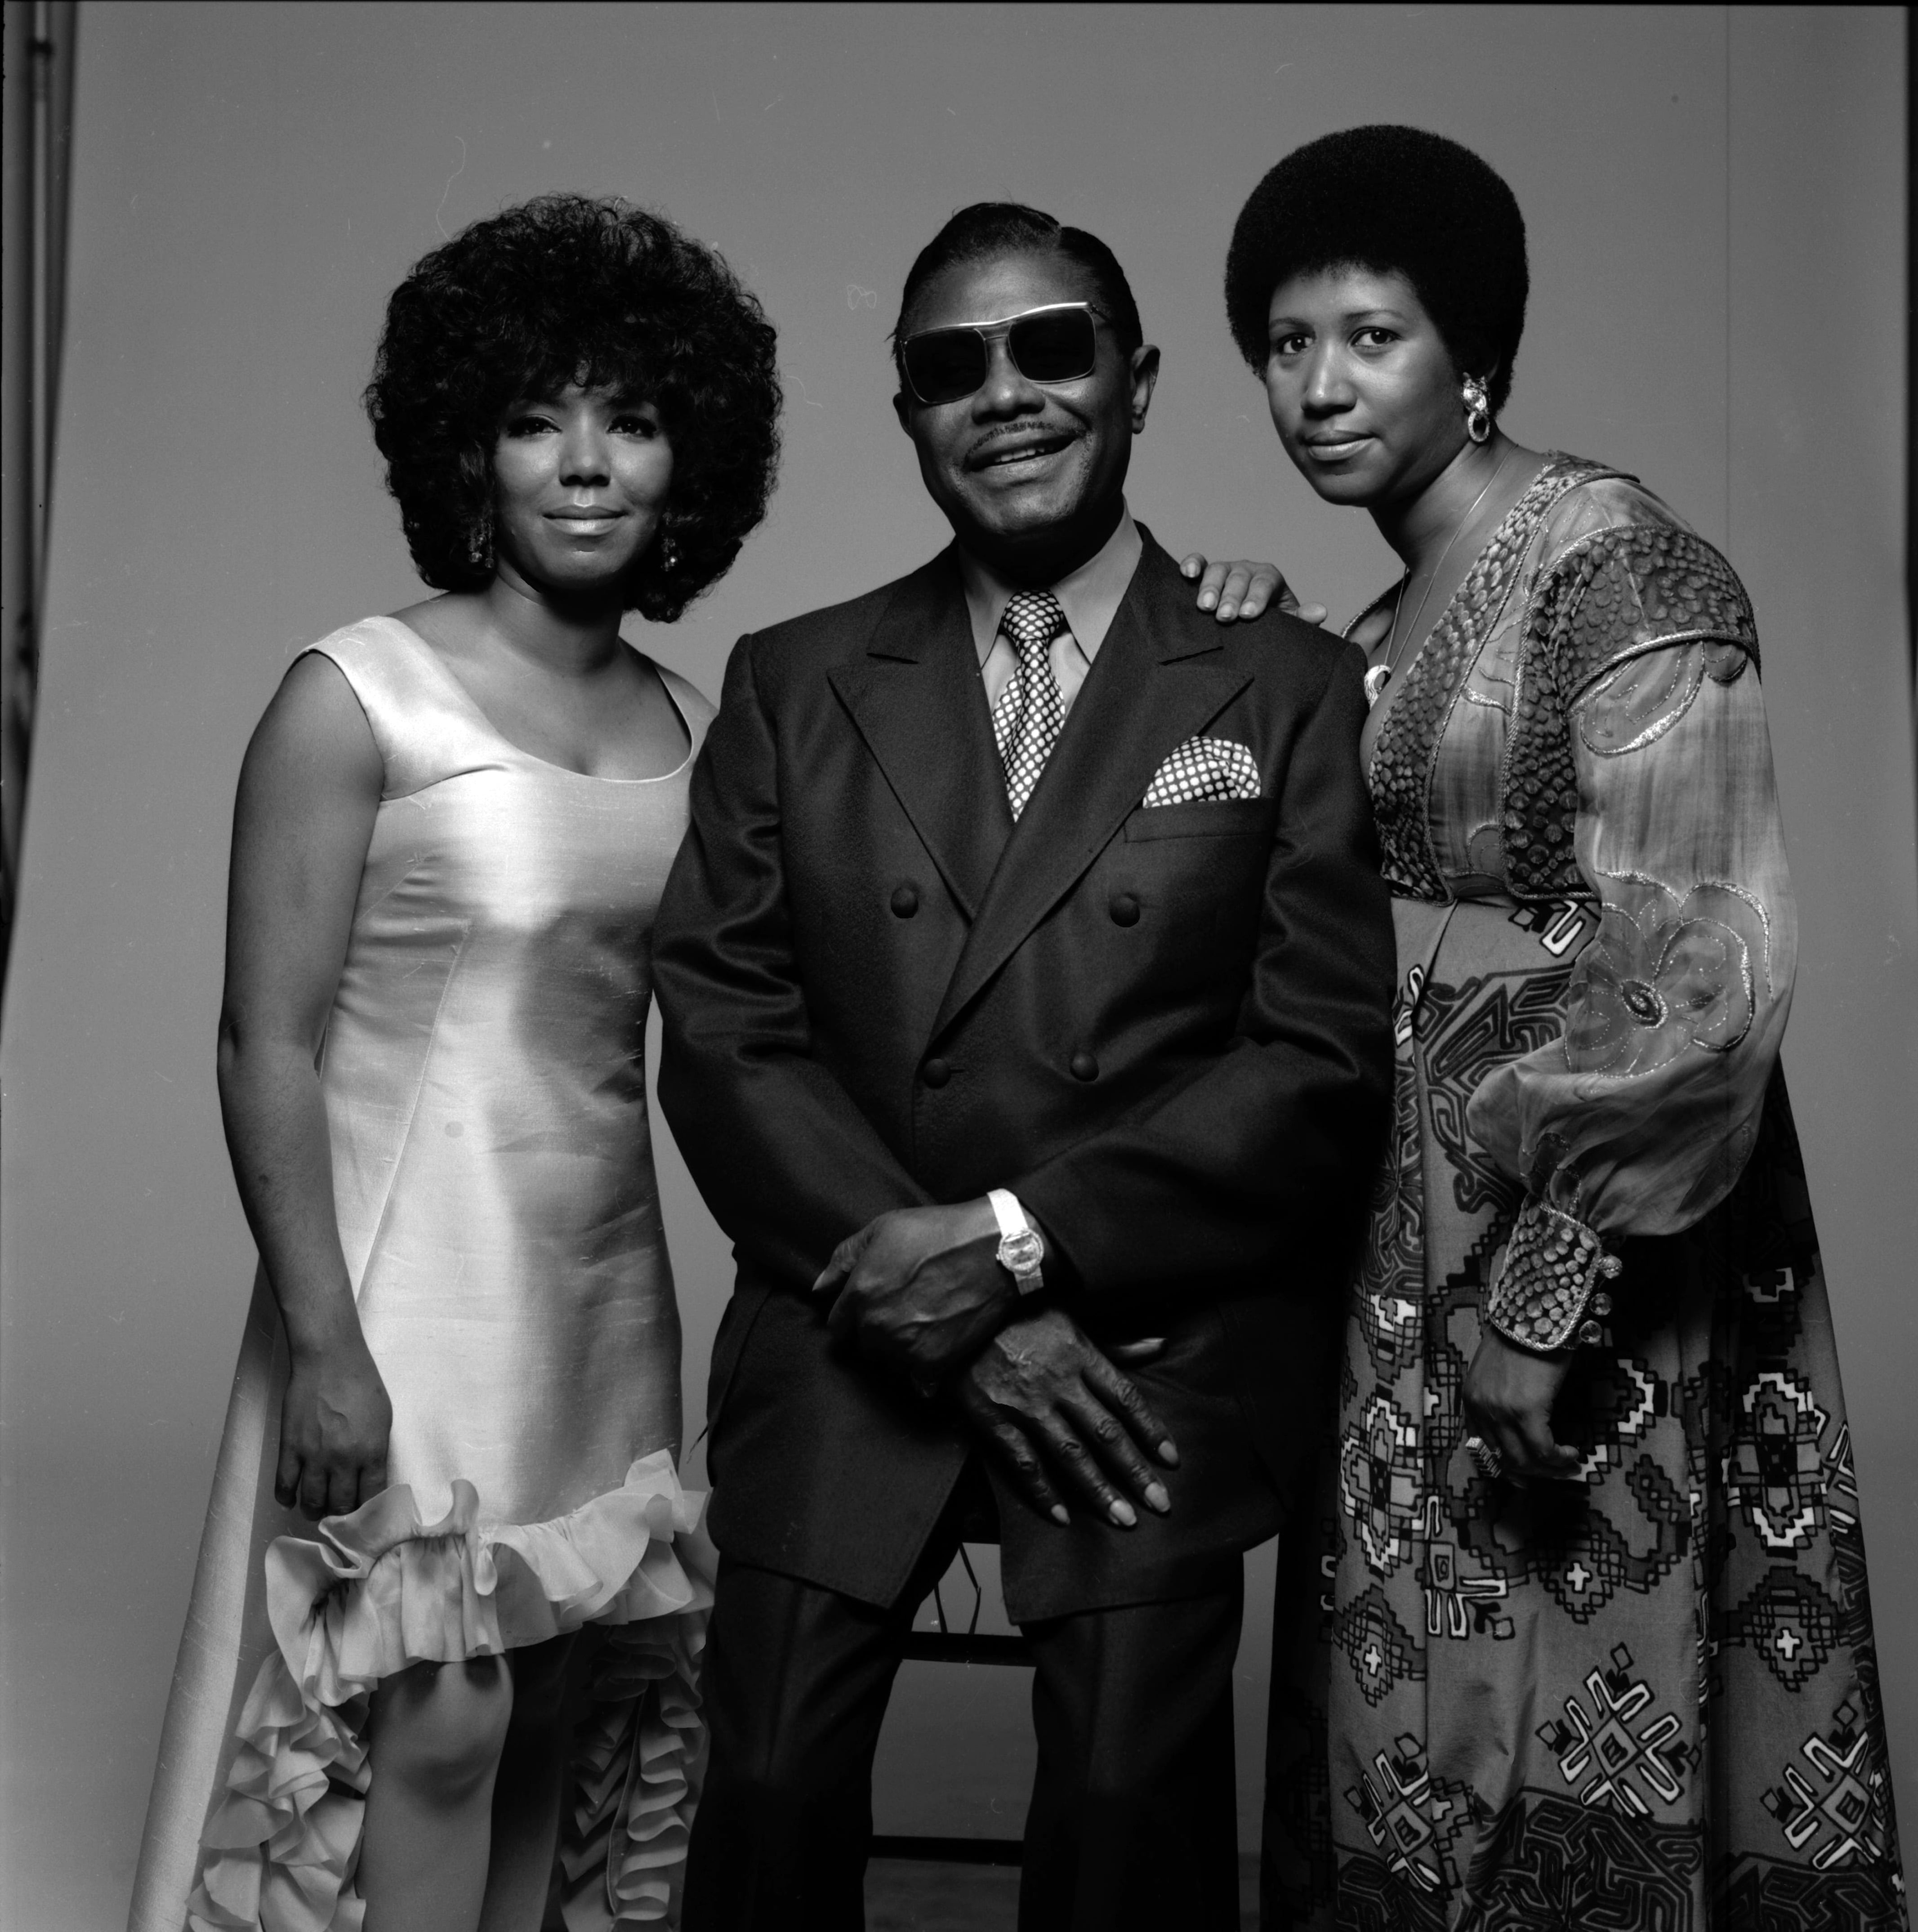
column 1662, row 974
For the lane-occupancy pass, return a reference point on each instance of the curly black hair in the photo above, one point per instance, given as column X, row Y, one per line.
column 564, row 289
column 1389, row 198
column 991, row 228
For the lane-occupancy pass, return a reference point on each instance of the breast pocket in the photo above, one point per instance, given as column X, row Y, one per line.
column 1209, row 818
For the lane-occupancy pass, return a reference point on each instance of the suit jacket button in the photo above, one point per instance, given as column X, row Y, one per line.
column 1084, row 1066
column 936, row 1073
column 1124, row 909
column 906, row 902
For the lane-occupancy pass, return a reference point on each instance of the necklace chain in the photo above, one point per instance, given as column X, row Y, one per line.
column 1381, row 673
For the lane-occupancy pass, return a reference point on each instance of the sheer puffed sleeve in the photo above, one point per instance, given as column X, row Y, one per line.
column 1641, row 700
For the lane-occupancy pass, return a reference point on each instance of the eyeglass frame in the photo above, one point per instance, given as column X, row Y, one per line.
column 989, row 332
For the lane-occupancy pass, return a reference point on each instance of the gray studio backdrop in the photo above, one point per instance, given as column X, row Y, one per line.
column 1717, row 217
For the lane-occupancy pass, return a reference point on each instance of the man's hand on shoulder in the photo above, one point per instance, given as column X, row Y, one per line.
column 1060, row 1417
column 920, row 1288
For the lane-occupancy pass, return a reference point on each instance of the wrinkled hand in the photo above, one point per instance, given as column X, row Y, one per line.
column 1056, row 1412
column 1241, row 589
column 1508, row 1396
column 919, row 1288
column 333, row 1427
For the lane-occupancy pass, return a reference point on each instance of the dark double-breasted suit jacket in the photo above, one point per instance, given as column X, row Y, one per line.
column 1166, row 1029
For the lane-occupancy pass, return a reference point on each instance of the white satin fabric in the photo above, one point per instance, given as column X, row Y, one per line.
column 484, row 1081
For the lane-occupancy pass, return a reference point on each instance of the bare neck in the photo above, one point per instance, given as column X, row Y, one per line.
column 1421, row 526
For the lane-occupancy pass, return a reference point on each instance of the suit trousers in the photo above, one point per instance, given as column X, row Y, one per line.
column 1133, row 1820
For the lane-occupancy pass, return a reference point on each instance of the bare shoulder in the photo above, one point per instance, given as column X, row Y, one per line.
column 313, row 733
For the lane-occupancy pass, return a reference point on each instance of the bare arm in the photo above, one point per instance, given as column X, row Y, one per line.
column 309, row 790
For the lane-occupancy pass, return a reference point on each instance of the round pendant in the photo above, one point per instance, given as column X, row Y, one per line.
column 1375, row 683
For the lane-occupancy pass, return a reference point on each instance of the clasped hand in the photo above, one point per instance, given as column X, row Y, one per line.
column 920, row 1289
column 921, row 1292
column 1508, row 1396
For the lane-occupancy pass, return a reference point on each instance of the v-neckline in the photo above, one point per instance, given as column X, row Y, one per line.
column 1378, row 715
column 1402, row 752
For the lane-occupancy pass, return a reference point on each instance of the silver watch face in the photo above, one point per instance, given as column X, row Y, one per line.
column 1022, row 1252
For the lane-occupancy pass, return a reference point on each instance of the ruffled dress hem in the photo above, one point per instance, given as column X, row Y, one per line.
column 378, row 1590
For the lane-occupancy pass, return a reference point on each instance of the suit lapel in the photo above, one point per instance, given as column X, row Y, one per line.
column 1156, row 682
column 916, row 700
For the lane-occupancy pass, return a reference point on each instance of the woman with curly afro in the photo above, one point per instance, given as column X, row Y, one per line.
column 467, row 1700
column 1585, row 1639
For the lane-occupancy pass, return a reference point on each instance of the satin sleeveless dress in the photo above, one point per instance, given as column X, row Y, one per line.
column 484, row 1075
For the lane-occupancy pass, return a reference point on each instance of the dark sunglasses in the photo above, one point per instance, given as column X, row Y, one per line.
column 1057, row 343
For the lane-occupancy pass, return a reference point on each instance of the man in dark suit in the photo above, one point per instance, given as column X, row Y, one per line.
column 1025, row 976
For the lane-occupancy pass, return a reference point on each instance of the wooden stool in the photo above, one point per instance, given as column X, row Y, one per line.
column 970, row 1645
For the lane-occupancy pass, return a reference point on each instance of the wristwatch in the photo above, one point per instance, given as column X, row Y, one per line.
column 1021, row 1250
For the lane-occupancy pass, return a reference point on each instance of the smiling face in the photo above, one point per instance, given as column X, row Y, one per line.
column 1364, row 392
column 579, row 483
column 1028, row 477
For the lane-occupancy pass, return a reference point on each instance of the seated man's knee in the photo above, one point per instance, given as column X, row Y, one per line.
column 772, row 1786
column 441, row 1727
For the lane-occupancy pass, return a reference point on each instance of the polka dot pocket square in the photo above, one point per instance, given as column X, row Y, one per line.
column 1203, row 770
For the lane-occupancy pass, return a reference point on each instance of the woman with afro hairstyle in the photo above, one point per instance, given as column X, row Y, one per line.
column 467, row 1700
column 1596, row 1648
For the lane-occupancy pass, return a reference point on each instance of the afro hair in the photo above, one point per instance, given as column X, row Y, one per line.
column 1389, row 198
column 569, row 288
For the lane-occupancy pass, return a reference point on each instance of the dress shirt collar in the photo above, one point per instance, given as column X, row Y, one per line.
column 1090, row 596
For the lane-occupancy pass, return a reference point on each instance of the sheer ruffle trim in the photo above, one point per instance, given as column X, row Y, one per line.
column 380, row 1591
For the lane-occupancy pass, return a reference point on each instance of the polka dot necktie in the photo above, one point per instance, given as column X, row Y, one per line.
column 1031, row 712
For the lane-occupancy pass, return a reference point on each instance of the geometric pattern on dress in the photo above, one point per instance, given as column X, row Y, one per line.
column 1411, row 1818
column 1783, row 1896
column 1790, row 1622
column 1378, row 1472
column 1458, row 1605
column 1774, row 1468
column 1377, row 1647
column 1394, row 1260
column 1203, row 769
column 1613, row 1757
column 1624, row 1398
column 1031, row 710
column 1471, row 1029
column 1585, row 1571
column 1837, row 1809
column 1549, row 1861
column 1740, row 1293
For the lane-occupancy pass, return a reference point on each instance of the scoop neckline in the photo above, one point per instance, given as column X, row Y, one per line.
column 518, row 750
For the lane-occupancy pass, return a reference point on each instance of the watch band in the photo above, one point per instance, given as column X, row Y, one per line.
column 1021, row 1249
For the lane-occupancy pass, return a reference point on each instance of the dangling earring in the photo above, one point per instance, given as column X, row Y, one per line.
column 669, row 555
column 1477, row 409
column 479, row 545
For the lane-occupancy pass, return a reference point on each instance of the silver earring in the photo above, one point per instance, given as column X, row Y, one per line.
column 1477, row 409
column 669, row 555
column 479, row 545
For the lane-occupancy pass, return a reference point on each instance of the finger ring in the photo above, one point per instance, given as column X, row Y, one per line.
column 1491, row 1463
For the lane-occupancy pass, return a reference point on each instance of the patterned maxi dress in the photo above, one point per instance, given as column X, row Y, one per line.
column 1646, row 1699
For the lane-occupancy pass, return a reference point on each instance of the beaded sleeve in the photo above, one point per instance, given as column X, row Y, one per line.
column 1645, row 740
